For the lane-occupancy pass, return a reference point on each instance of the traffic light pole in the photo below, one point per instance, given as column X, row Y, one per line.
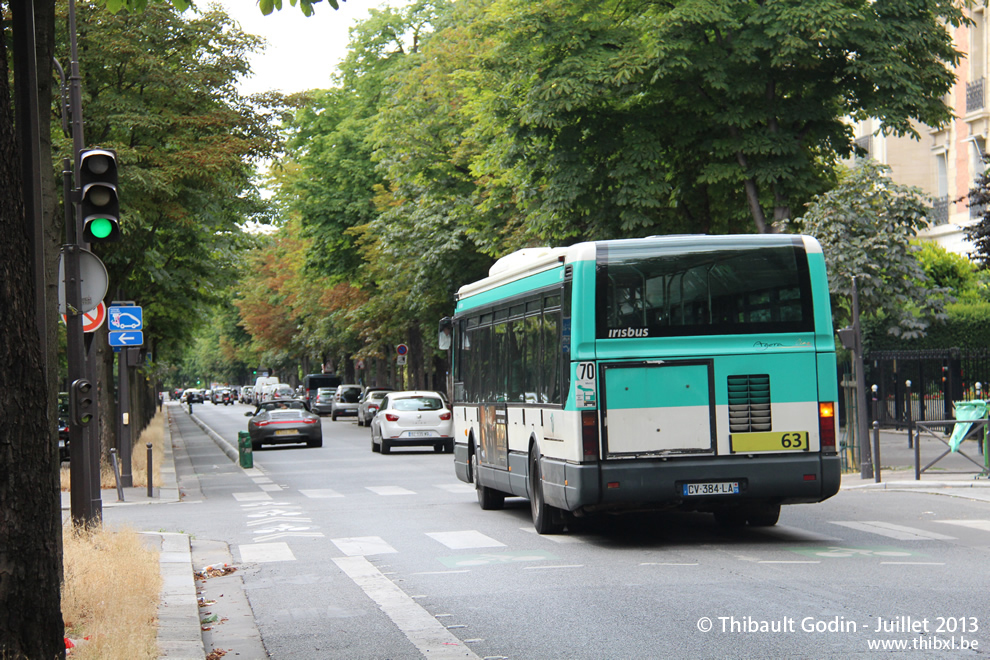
column 87, row 507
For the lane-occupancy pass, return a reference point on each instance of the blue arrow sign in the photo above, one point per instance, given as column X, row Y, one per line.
column 125, row 318
column 127, row 338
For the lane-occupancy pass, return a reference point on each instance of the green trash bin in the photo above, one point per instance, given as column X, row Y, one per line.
column 244, row 453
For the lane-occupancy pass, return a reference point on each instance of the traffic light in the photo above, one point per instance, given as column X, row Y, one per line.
column 98, row 196
column 82, row 405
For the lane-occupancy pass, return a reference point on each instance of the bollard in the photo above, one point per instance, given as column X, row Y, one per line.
column 151, row 472
column 190, row 407
column 116, row 475
column 910, row 413
column 876, row 451
column 244, row 451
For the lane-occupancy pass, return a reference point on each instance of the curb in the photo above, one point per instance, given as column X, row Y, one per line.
column 179, row 634
column 228, row 449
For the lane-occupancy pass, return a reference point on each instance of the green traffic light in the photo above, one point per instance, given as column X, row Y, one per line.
column 100, row 227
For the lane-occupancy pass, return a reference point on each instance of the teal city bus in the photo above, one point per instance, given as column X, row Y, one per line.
column 694, row 373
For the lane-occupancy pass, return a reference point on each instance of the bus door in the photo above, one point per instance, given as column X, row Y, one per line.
column 493, row 426
column 658, row 407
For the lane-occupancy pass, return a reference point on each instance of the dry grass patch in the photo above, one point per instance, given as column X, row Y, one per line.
column 111, row 593
column 155, row 434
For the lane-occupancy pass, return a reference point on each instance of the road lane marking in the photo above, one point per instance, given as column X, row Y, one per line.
column 358, row 546
column 265, row 552
column 270, row 487
column 389, row 490
column 320, row 493
column 466, row 539
column 427, row 634
column 890, row 530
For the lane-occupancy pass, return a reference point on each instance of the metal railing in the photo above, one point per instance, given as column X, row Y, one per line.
column 976, row 94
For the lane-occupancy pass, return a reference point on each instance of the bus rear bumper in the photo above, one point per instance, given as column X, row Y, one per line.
column 659, row 484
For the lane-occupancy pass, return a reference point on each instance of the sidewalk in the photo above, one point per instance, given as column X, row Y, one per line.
column 953, row 474
column 179, row 633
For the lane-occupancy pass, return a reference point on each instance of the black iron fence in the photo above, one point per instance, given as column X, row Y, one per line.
column 937, row 378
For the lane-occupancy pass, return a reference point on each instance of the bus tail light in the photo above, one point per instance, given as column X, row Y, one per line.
column 826, row 426
column 589, row 434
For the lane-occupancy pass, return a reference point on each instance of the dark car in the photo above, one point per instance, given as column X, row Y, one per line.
column 284, row 422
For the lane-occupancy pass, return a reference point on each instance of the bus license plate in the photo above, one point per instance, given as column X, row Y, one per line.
column 745, row 443
column 712, row 488
column 285, row 432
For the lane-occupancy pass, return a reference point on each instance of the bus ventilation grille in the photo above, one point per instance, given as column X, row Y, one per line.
column 749, row 403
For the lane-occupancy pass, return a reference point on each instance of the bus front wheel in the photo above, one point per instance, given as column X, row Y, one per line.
column 546, row 519
column 489, row 498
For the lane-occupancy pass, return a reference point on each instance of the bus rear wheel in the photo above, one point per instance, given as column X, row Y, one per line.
column 546, row 519
column 488, row 498
column 764, row 515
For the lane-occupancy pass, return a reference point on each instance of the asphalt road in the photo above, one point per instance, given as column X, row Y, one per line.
column 345, row 553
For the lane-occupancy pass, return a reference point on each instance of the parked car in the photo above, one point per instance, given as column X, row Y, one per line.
column 412, row 419
column 283, row 422
column 322, row 402
column 369, row 403
column 247, row 394
column 345, row 400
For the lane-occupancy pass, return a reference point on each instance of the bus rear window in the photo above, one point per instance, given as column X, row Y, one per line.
column 649, row 290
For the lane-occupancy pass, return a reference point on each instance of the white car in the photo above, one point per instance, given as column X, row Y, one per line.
column 412, row 419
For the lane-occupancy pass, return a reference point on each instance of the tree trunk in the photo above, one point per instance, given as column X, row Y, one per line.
column 30, row 512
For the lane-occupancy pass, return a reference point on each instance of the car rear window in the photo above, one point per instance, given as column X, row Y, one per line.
column 418, row 403
column 350, row 394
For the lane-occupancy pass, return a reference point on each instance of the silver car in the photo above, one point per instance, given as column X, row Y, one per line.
column 323, row 401
column 370, row 402
column 345, row 401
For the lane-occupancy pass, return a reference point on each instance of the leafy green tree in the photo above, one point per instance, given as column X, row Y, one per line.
column 159, row 88
column 952, row 271
column 865, row 226
column 617, row 118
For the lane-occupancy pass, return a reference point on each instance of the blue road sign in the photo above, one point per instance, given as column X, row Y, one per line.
column 127, row 338
column 125, row 318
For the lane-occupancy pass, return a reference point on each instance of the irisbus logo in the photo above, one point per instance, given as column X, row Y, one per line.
column 619, row 333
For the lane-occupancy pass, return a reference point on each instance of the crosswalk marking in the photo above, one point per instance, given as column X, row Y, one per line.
column 253, row 496
column 270, row 487
column 456, row 488
column 466, row 539
column 320, row 493
column 983, row 525
column 358, row 546
column 266, row 552
column 890, row 530
column 556, row 538
column 390, row 490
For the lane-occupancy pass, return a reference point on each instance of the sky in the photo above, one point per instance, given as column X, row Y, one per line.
column 302, row 53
